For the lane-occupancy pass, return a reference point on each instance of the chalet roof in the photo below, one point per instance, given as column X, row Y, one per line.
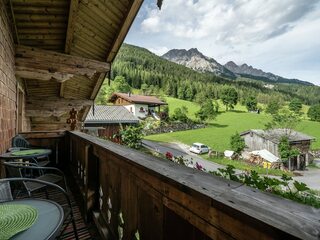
column 110, row 114
column 274, row 135
column 138, row 99
column 64, row 50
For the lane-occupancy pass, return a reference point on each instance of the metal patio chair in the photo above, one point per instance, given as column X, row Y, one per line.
column 17, row 170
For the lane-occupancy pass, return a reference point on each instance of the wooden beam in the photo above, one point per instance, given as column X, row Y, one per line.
column 85, row 113
column 56, row 107
column 62, row 87
column 98, row 85
column 14, row 22
column 38, row 74
column 46, row 134
column 44, row 113
column 56, row 102
column 49, row 64
column 124, row 29
column 73, row 12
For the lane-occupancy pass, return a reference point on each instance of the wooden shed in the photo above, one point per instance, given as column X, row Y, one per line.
column 257, row 139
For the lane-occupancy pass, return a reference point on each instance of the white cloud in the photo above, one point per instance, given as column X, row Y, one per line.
column 227, row 21
column 276, row 36
column 159, row 50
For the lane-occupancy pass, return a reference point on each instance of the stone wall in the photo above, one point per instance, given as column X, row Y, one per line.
column 8, row 83
column 173, row 127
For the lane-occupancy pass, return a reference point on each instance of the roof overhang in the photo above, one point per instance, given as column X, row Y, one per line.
column 65, row 50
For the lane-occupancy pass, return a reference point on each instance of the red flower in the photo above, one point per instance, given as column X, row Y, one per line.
column 169, row 155
column 198, row 166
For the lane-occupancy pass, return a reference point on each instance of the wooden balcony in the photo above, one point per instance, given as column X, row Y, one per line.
column 130, row 195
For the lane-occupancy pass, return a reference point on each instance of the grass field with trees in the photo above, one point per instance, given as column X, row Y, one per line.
column 217, row 134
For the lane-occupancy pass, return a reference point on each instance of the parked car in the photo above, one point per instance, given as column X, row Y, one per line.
column 199, row 148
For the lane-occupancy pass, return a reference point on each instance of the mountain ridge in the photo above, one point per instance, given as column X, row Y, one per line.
column 197, row 61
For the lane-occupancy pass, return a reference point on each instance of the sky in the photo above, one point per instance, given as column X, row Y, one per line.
column 278, row 36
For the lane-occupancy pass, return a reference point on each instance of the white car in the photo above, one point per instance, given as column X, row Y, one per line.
column 199, row 148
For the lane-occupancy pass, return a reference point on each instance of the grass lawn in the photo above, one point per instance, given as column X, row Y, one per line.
column 217, row 134
column 177, row 103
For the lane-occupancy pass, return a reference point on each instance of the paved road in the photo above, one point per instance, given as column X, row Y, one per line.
column 311, row 177
column 177, row 150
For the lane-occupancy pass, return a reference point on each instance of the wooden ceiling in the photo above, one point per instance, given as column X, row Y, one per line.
column 88, row 29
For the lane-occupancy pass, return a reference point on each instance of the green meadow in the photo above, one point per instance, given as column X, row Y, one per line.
column 217, row 134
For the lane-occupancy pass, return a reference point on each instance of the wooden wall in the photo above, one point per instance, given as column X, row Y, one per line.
column 8, row 83
column 121, row 101
column 256, row 142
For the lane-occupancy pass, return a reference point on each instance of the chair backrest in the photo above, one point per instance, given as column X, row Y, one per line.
column 20, row 141
column 5, row 191
column 12, row 171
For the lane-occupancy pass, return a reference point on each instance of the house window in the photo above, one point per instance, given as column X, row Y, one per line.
column 141, row 109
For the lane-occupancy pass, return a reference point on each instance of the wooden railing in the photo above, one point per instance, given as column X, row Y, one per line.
column 136, row 196
column 131, row 195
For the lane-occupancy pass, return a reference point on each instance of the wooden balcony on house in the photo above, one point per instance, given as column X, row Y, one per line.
column 130, row 195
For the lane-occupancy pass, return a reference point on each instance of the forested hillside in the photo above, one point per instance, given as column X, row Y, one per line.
column 141, row 67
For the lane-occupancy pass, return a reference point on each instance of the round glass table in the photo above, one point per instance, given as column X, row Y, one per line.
column 49, row 221
column 26, row 154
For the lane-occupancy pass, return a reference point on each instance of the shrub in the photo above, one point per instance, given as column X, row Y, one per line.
column 207, row 111
column 131, row 136
column 180, row 114
column 237, row 143
column 273, row 107
column 314, row 113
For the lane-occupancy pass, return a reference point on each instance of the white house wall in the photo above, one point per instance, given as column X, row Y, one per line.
column 135, row 110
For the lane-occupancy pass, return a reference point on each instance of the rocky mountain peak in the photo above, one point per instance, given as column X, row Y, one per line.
column 231, row 64
column 195, row 60
column 194, row 51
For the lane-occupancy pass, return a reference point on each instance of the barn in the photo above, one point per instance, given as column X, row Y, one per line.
column 258, row 139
